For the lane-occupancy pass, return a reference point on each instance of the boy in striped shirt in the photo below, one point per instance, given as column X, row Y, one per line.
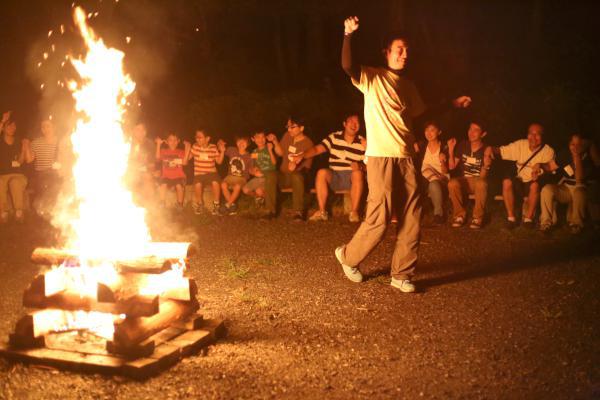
column 206, row 157
column 346, row 154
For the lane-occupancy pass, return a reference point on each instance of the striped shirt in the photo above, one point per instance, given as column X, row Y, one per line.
column 341, row 153
column 204, row 158
column 45, row 154
column 470, row 162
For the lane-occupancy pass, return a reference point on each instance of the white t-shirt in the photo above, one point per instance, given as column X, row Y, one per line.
column 391, row 101
column 431, row 168
column 519, row 152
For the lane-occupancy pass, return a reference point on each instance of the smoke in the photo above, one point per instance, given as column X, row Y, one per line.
column 146, row 32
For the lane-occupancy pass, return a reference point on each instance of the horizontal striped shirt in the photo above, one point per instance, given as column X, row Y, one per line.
column 45, row 154
column 341, row 153
column 204, row 158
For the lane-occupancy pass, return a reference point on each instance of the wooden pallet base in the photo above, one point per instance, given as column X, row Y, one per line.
column 171, row 345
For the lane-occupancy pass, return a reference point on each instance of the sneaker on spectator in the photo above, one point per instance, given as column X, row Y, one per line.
column 394, row 219
column 297, row 217
column 232, row 209
column 546, row 229
column 198, row 208
column 511, row 223
column 528, row 223
column 19, row 216
column 475, row 223
column 216, row 210
column 319, row 216
column 351, row 273
column 353, row 217
column 259, row 202
column 457, row 222
column 438, row 220
column 4, row 217
column 405, row 285
column 575, row 229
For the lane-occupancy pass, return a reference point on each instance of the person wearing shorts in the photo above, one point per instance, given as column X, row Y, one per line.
column 206, row 157
column 172, row 159
column 346, row 169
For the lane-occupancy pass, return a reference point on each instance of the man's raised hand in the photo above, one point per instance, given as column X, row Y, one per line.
column 462, row 102
column 5, row 117
column 350, row 25
column 452, row 143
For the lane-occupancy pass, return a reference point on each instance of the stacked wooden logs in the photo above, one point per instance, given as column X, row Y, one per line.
column 137, row 316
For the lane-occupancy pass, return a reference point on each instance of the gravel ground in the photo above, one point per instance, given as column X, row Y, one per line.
column 499, row 314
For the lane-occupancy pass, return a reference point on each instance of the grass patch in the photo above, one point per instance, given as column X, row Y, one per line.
column 235, row 269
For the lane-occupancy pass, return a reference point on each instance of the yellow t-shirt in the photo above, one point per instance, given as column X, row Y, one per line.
column 391, row 102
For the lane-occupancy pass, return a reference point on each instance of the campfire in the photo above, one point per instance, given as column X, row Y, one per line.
column 111, row 299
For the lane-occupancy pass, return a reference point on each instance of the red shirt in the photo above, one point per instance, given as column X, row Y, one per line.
column 172, row 163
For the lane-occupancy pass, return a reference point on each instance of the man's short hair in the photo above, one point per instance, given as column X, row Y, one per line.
column 480, row 123
column 350, row 113
column 241, row 137
column 297, row 119
column 391, row 36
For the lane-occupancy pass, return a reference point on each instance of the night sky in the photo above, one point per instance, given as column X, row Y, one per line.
column 234, row 66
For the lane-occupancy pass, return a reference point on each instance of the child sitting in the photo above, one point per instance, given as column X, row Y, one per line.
column 265, row 165
column 206, row 157
column 172, row 159
column 240, row 162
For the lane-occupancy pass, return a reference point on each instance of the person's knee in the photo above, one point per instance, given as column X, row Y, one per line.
column 481, row 184
column 534, row 188
column 507, row 185
column 453, row 184
column 579, row 194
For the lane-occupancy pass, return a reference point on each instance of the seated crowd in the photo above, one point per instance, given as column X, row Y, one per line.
column 258, row 165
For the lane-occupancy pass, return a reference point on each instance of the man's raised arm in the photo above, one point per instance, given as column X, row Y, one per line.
column 353, row 71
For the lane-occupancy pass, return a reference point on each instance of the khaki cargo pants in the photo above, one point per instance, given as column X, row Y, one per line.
column 392, row 187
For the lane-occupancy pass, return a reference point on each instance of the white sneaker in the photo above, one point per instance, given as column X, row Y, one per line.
column 353, row 217
column 352, row 273
column 319, row 216
column 404, row 285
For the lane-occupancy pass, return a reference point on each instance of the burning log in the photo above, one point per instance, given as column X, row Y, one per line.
column 167, row 285
column 158, row 257
column 132, row 331
column 135, row 306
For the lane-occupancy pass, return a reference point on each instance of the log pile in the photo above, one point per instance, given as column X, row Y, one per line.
column 145, row 300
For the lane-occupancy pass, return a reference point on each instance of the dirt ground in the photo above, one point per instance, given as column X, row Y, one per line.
column 499, row 315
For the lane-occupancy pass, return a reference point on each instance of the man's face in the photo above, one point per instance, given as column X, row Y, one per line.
column 10, row 129
column 576, row 144
column 47, row 128
column 397, row 54
column 172, row 142
column 259, row 139
column 475, row 133
column 352, row 125
column 534, row 135
column 202, row 139
column 139, row 132
column 294, row 129
column 432, row 132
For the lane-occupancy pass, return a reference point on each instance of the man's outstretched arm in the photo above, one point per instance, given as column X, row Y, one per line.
column 353, row 70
